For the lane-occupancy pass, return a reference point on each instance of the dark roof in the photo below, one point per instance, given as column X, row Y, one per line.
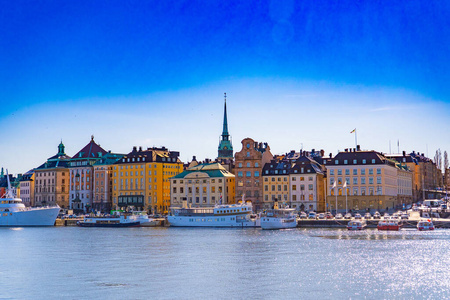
column 358, row 157
column 275, row 167
column 109, row 159
column 91, row 150
column 150, row 155
column 309, row 166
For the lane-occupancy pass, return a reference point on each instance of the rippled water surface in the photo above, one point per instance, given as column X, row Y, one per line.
column 187, row 263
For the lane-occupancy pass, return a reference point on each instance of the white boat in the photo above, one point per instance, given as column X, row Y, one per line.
column 231, row 215
column 425, row 225
column 13, row 212
column 356, row 224
column 146, row 221
column 112, row 221
column 279, row 218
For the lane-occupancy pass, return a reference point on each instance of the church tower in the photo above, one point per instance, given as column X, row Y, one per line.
column 225, row 147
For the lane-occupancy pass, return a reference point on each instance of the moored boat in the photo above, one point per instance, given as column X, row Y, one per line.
column 356, row 224
column 279, row 218
column 389, row 224
column 13, row 213
column 114, row 221
column 425, row 225
column 225, row 215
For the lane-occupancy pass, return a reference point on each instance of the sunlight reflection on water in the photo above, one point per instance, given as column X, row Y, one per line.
column 168, row 263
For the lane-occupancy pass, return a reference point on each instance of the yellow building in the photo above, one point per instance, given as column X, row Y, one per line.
column 276, row 183
column 141, row 179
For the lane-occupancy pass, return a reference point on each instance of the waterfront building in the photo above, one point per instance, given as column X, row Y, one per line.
column 51, row 181
column 368, row 178
column 275, row 177
column 249, row 163
column 307, row 184
column 225, row 151
column 27, row 188
column 103, row 171
column 141, row 179
column 425, row 174
column 203, row 185
column 81, row 170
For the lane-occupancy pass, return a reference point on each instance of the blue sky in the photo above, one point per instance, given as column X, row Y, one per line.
column 150, row 73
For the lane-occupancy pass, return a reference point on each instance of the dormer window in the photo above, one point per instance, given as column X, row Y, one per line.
column 336, row 162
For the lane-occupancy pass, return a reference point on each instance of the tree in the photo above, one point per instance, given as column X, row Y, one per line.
column 445, row 160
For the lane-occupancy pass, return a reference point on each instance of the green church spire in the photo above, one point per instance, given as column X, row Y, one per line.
column 225, row 146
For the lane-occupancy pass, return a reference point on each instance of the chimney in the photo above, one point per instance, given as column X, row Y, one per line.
column 322, row 153
column 331, row 155
column 358, row 148
column 346, row 150
column 404, row 153
column 140, row 149
column 134, row 149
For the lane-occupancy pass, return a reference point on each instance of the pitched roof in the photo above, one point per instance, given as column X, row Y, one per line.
column 91, row 150
column 211, row 169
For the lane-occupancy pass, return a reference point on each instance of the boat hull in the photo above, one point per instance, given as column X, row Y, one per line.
column 211, row 221
column 278, row 223
column 30, row 217
column 389, row 227
column 128, row 224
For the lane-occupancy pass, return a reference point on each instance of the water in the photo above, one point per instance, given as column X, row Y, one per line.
column 187, row 263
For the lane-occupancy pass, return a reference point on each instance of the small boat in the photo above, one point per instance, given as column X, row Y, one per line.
column 279, row 218
column 389, row 224
column 425, row 225
column 114, row 221
column 357, row 224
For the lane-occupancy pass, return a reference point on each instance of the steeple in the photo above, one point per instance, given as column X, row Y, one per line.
column 225, row 134
column 225, row 147
column 61, row 149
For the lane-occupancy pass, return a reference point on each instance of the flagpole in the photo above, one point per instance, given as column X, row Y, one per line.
column 346, row 200
column 356, row 140
column 336, row 201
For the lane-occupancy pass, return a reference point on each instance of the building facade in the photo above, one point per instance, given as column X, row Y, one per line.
column 203, row 185
column 81, row 170
column 275, row 176
column 141, row 179
column 249, row 163
column 51, row 181
column 360, row 180
column 27, row 188
column 103, row 171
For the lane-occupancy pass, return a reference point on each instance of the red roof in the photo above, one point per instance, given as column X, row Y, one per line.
column 91, row 150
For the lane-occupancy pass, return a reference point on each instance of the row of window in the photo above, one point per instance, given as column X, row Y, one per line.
column 355, row 171
column 248, row 174
column 355, row 162
column 358, row 191
column 249, row 165
column 355, row 180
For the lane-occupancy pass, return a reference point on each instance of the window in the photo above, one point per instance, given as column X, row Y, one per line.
column 370, row 180
column 364, row 161
column 331, row 180
column 248, row 174
column 340, row 172
column 355, row 180
column 355, row 191
column 355, row 161
column 336, row 162
column 345, row 162
column 378, row 180
column 378, row 171
column 248, row 165
column 240, row 165
column 363, row 171
column 256, row 165
column 355, row 171
column 347, row 171
column 347, row 179
column 370, row 171
column 363, row 180
column 248, row 154
column 294, row 187
column 310, row 187
column 240, row 174
column 256, row 174
column 332, row 172
column 363, row 191
column 339, row 180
